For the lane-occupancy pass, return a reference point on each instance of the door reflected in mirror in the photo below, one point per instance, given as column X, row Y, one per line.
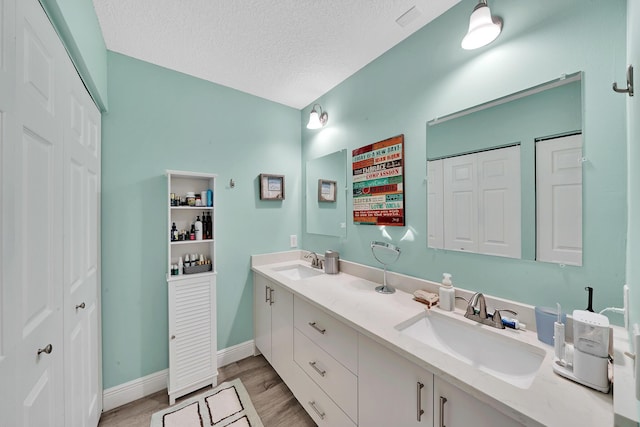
column 505, row 177
column 325, row 195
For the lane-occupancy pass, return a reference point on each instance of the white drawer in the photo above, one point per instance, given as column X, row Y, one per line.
column 320, row 407
column 336, row 380
column 333, row 336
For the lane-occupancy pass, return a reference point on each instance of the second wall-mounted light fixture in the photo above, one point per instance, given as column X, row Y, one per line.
column 483, row 28
column 317, row 119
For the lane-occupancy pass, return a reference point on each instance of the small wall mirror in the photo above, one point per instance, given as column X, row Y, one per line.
column 325, row 194
column 505, row 177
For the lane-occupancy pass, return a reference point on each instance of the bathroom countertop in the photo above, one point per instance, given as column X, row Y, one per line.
column 550, row 400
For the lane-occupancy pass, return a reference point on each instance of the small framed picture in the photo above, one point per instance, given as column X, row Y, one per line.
column 271, row 187
column 326, row 190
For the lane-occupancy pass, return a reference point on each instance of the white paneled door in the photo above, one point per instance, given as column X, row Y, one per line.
column 50, row 372
column 460, row 203
column 38, row 211
column 81, row 322
column 559, row 200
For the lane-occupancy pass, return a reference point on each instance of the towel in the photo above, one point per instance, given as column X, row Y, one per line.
column 428, row 298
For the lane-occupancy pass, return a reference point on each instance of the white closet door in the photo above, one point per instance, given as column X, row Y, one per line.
column 83, row 389
column 559, row 200
column 499, row 204
column 460, row 203
column 435, row 192
column 8, row 309
column 38, row 210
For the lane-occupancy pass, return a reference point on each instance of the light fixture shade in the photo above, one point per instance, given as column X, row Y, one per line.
column 317, row 120
column 483, row 28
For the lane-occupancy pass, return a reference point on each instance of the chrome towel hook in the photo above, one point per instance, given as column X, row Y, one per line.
column 629, row 88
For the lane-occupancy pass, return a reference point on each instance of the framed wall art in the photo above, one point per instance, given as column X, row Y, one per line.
column 271, row 187
column 326, row 190
column 378, row 183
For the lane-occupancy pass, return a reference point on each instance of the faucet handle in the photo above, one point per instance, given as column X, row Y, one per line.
column 497, row 317
column 470, row 307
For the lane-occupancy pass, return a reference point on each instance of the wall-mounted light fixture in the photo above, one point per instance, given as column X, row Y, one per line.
column 317, row 120
column 483, row 28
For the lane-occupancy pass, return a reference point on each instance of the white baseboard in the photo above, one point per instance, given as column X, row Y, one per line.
column 136, row 389
column 234, row 353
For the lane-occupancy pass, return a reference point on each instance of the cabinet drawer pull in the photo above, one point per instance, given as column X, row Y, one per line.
column 443, row 400
column 321, row 414
column 317, row 328
column 47, row 350
column 318, row 370
column 80, row 306
column 271, row 300
column 266, row 294
column 420, row 411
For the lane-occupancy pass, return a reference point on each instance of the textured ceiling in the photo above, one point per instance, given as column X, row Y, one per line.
column 287, row 51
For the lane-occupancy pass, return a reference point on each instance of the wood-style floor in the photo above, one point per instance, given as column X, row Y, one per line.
column 272, row 399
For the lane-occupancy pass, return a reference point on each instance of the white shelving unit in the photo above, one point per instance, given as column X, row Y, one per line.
column 192, row 297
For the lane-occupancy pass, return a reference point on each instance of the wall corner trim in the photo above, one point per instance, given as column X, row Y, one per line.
column 141, row 387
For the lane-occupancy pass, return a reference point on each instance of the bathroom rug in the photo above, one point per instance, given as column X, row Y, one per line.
column 227, row 405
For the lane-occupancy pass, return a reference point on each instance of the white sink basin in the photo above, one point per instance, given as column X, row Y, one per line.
column 510, row 360
column 297, row 272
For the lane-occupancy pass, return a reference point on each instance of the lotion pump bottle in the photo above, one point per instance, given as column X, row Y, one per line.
column 198, row 227
column 447, row 293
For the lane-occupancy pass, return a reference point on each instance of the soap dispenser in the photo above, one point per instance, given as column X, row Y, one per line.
column 447, row 293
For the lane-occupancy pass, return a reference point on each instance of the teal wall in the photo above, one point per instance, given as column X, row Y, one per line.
column 77, row 24
column 633, row 120
column 429, row 75
column 160, row 119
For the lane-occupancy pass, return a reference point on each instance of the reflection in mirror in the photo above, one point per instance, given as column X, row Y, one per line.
column 325, row 194
column 505, row 177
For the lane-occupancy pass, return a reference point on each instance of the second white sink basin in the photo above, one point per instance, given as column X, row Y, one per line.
column 510, row 360
column 297, row 272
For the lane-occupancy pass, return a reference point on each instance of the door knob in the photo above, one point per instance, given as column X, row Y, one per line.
column 48, row 349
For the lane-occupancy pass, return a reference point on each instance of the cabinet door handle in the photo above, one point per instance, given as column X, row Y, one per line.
column 47, row 350
column 318, row 370
column 321, row 414
column 271, row 300
column 420, row 411
column 82, row 305
column 266, row 293
column 173, row 337
column 317, row 328
column 443, row 400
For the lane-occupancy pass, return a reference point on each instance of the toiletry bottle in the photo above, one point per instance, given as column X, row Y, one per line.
column 192, row 234
column 447, row 293
column 174, row 232
column 180, row 266
column 198, row 226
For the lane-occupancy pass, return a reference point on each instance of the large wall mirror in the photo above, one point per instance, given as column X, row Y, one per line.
column 505, row 177
column 325, row 194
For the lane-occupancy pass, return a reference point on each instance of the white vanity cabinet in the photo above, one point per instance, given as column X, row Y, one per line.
column 326, row 350
column 455, row 408
column 273, row 324
column 392, row 390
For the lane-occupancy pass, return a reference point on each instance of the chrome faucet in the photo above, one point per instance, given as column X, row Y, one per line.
column 477, row 311
column 315, row 261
